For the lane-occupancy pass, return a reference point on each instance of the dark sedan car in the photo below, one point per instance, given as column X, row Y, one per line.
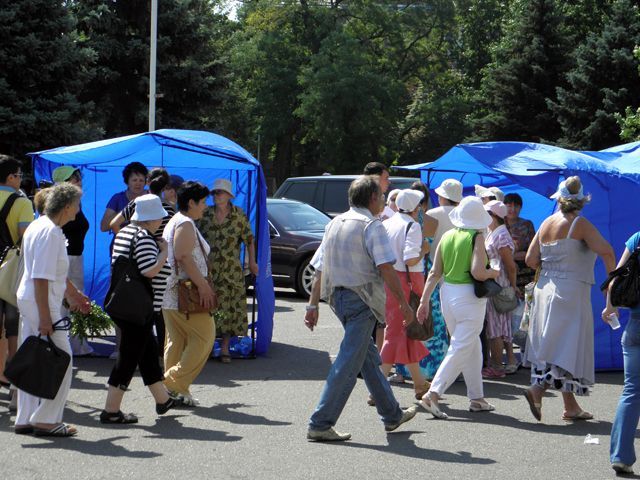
column 296, row 231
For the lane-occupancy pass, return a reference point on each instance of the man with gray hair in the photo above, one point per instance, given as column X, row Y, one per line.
column 352, row 264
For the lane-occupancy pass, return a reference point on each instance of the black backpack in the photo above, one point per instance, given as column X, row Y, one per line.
column 626, row 289
column 6, row 242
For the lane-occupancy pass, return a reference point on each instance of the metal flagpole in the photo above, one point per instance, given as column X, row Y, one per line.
column 152, row 65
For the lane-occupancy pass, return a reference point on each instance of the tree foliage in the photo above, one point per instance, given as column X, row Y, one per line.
column 44, row 66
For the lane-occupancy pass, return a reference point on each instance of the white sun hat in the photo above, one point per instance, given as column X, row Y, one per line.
column 148, row 207
column 497, row 208
column 393, row 193
column 223, row 184
column 451, row 190
column 407, row 200
column 470, row 214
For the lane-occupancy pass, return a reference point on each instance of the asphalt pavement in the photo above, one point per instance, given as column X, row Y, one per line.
column 252, row 423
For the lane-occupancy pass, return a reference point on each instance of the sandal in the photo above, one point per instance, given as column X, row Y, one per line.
column 23, row 429
column 162, row 408
column 61, row 430
column 481, row 407
column 581, row 415
column 225, row 358
column 396, row 378
column 433, row 409
column 189, row 401
column 423, row 391
column 117, row 417
column 536, row 408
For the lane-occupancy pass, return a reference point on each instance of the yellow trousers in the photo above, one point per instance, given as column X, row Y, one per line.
column 187, row 347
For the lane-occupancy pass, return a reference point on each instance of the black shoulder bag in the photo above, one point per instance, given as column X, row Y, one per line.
column 625, row 291
column 130, row 296
column 484, row 288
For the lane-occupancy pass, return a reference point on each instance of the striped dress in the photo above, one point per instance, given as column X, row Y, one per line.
column 145, row 254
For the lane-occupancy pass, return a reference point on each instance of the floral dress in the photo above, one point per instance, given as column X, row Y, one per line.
column 498, row 324
column 225, row 240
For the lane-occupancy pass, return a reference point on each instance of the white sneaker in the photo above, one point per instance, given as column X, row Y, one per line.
column 330, row 435
column 622, row 468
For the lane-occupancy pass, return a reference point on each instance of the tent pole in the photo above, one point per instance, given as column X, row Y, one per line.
column 152, row 65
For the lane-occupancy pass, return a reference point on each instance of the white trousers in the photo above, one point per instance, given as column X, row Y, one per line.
column 34, row 409
column 463, row 313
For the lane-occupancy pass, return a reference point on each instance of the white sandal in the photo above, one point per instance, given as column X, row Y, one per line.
column 432, row 408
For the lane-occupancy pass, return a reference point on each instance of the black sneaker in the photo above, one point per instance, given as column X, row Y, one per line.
column 162, row 408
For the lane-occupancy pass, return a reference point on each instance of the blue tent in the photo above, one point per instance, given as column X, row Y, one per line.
column 533, row 170
column 193, row 155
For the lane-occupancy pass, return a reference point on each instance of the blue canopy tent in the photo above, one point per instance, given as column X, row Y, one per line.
column 612, row 177
column 191, row 154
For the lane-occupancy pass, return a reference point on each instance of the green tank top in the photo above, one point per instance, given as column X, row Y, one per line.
column 456, row 250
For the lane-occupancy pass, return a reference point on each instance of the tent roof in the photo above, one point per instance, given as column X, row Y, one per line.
column 172, row 146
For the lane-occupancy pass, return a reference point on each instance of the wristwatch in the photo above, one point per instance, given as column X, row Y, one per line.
column 310, row 308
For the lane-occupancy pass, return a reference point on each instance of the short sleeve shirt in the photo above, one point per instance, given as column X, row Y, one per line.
column 118, row 201
column 632, row 244
column 44, row 248
column 21, row 213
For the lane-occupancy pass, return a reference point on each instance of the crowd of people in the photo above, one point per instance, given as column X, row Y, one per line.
column 456, row 245
column 371, row 258
column 170, row 235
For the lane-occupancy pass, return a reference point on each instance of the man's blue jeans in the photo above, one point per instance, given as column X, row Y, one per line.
column 357, row 354
column 628, row 412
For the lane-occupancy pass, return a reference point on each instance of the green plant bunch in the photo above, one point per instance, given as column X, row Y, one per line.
column 91, row 324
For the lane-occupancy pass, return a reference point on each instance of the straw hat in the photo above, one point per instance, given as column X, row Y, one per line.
column 148, row 207
column 222, row 184
column 470, row 214
column 408, row 200
column 450, row 189
column 497, row 208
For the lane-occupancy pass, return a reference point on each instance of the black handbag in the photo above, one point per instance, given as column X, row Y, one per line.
column 38, row 367
column 625, row 291
column 484, row 288
column 416, row 330
column 130, row 295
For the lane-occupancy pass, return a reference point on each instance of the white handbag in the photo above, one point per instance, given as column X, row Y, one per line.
column 11, row 270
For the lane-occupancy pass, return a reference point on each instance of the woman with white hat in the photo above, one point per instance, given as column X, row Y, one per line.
column 226, row 228
column 436, row 223
column 409, row 247
column 138, row 347
column 500, row 248
column 460, row 257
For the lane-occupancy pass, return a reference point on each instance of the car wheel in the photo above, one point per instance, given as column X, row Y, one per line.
column 304, row 278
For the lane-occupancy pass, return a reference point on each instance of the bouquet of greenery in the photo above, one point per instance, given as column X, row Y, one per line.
column 91, row 324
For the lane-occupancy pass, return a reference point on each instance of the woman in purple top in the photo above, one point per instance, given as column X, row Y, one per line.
column 135, row 177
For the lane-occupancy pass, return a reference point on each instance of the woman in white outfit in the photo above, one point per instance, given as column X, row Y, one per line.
column 40, row 297
column 458, row 257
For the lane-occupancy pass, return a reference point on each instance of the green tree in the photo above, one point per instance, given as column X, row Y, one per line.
column 192, row 77
column 530, row 63
column 603, row 83
column 630, row 122
column 42, row 69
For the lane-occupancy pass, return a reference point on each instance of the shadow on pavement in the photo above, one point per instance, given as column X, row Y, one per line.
column 169, row 428
column 99, row 448
column 228, row 412
column 401, row 444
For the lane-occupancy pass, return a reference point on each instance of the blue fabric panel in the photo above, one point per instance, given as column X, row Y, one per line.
column 611, row 176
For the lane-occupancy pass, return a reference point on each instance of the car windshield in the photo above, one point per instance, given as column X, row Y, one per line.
column 295, row 217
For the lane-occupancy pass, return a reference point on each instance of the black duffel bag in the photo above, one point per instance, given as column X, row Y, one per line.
column 625, row 291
